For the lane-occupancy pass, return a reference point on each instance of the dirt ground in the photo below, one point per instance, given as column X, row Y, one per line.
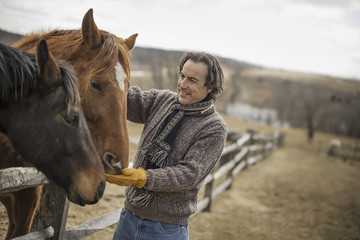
column 292, row 195
column 296, row 193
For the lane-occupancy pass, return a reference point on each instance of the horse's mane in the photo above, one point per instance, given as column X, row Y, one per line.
column 19, row 73
column 112, row 46
column 17, row 69
column 112, row 49
column 70, row 83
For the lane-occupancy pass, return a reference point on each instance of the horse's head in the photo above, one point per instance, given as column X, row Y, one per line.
column 102, row 65
column 103, row 89
column 48, row 129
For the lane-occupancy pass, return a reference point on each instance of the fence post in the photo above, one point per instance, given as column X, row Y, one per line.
column 53, row 210
column 229, row 174
column 355, row 147
column 208, row 192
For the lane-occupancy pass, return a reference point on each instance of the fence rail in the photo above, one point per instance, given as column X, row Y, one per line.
column 248, row 148
column 344, row 151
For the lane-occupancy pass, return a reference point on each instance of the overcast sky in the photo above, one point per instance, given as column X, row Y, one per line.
column 316, row 36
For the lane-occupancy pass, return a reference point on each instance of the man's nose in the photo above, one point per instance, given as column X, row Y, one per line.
column 182, row 83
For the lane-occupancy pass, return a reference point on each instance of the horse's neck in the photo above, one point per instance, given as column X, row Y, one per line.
column 57, row 44
column 4, row 119
column 8, row 114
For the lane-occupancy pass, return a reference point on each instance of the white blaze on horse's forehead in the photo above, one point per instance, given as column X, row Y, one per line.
column 120, row 76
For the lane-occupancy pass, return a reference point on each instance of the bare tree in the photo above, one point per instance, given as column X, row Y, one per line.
column 314, row 99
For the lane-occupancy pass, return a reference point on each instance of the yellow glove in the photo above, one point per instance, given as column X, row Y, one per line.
column 131, row 176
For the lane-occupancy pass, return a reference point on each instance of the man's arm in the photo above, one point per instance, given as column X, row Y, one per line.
column 139, row 104
column 198, row 162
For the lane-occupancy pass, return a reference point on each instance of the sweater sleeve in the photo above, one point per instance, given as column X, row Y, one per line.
column 139, row 104
column 197, row 163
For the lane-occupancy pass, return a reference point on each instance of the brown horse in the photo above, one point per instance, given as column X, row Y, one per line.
column 40, row 113
column 102, row 66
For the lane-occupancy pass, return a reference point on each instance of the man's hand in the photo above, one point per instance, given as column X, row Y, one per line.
column 131, row 176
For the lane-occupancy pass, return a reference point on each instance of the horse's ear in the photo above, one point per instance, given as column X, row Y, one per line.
column 46, row 64
column 89, row 30
column 130, row 41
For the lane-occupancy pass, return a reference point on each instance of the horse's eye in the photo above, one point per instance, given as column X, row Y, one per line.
column 96, row 85
column 72, row 119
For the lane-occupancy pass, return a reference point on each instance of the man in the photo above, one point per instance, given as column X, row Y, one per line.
column 182, row 139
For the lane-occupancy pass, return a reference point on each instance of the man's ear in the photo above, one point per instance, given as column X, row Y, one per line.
column 209, row 90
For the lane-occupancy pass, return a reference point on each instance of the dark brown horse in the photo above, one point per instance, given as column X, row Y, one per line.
column 102, row 66
column 40, row 113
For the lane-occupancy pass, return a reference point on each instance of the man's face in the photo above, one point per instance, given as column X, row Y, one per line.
column 191, row 88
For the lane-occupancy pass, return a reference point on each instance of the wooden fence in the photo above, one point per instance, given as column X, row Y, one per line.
column 245, row 149
column 345, row 151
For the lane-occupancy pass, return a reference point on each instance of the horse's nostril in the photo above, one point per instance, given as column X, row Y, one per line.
column 109, row 159
column 110, row 164
column 100, row 191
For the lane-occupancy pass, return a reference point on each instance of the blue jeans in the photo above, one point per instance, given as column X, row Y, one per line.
column 131, row 227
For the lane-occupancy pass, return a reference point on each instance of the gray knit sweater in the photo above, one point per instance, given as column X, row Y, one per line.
column 198, row 146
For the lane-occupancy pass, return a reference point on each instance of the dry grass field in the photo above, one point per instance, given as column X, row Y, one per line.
column 296, row 193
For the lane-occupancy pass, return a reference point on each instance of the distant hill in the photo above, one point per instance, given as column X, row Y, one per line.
column 271, row 96
column 8, row 38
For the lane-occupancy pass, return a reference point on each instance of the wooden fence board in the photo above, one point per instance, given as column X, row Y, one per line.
column 41, row 235
column 88, row 228
column 14, row 179
column 224, row 185
column 238, row 168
